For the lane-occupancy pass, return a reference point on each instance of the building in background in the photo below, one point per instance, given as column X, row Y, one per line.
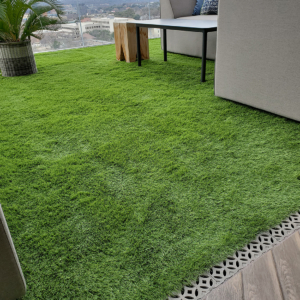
column 73, row 28
column 94, row 24
column 108, row 23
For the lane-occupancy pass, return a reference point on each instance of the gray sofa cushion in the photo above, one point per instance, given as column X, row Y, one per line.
column 258, row 58
column 12, row 282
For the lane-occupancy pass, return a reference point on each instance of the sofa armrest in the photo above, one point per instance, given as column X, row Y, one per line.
column 258, row 58
column 166, row 11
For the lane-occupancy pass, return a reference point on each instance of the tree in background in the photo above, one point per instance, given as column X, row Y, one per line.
column 103, row 35
column 128, row 13
column 82, row 9
column 56, row 44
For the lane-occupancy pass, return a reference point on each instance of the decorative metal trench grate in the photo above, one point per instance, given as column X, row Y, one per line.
column 219, row 273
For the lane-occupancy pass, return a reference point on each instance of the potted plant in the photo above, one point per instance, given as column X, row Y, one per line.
column 16, row 55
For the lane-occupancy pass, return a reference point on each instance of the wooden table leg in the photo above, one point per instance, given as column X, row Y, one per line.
column 126, row 41
column 144, row 43
column 118, row 42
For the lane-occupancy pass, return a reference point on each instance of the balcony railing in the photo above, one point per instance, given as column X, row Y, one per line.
column 95, row 27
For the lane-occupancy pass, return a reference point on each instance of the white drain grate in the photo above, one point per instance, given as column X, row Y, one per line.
column 219, row 273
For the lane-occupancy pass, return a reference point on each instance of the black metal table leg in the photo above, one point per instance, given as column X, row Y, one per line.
column 204, row 48
column 138, row 45
column 165, row 44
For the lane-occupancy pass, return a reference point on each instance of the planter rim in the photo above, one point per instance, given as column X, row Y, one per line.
column 15, row 43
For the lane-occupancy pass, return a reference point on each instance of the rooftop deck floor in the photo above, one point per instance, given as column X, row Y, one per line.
column 273, row 276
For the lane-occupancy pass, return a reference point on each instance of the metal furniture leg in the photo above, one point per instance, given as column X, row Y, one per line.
column 204, row 48
column 165, row 44
column 138, row 46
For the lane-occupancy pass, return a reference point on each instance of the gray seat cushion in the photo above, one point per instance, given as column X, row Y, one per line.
column 12, row 282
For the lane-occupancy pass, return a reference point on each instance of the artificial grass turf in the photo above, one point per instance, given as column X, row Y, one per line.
column 121, row 182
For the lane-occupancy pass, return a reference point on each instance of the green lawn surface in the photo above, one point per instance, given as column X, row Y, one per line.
column 121, row 182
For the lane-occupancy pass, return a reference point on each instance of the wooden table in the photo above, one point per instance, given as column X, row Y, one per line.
column 126, row 44
column 203, row 26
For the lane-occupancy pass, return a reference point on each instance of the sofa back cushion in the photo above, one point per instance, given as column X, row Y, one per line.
column 182, row 8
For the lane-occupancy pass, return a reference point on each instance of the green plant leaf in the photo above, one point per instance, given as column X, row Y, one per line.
column 12, row 27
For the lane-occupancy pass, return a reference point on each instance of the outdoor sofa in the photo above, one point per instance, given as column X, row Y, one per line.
column 258, row 55
column 183, row 42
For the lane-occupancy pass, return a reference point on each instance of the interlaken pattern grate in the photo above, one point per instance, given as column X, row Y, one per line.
column 219, row 273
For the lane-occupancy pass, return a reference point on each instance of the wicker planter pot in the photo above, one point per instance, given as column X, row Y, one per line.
column 16, row 59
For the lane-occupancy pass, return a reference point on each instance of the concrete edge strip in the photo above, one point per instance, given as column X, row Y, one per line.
column 240, row 259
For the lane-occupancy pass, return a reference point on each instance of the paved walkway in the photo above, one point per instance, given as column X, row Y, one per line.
column 273, row 276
